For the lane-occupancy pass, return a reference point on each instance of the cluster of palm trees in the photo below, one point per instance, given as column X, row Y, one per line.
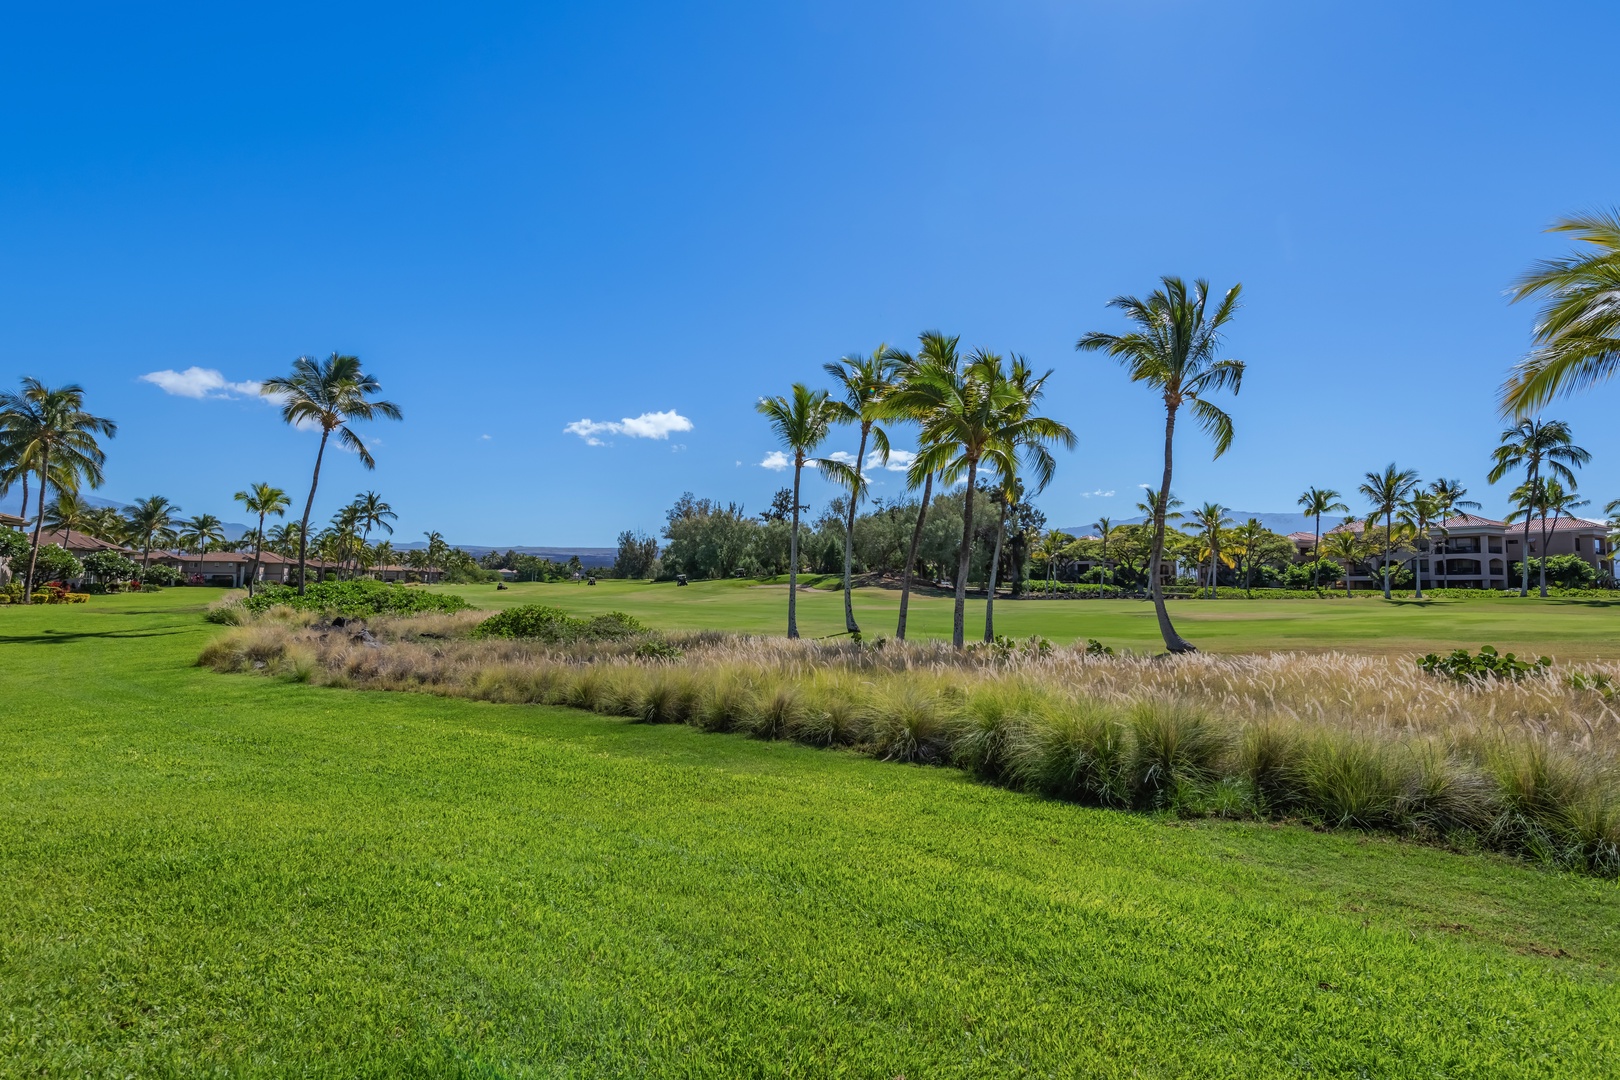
column 979, row 412
column 974, row 413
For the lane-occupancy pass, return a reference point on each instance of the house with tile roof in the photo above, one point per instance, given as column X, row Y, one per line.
column 1472, row 552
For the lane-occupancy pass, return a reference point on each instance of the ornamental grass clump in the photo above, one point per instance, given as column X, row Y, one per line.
column 1529, row 766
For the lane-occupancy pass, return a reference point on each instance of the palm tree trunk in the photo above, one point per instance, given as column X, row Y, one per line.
column 1417, row 570
column 911, row 557
column 1173, row 641
column 1541, row 570
column 309, row 503
column 1524, row 580
column 958, row 616
column 1389, row 542
column 258, row 549
column 33, row 557
column 1347, row 593
column 793, row 552
column 850, row 625
column 1316, row 554
column 990, row 593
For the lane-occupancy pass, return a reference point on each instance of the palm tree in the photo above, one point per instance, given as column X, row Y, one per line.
column 1537, row 445
column 1049, row 549
column 1104, row 526
column 1385, row 491
column 283, row 539
column 262, row 499
column 979, row 414
column 1577, row 332
column 1555, row 499
column 935, row 350
column 1422, row 513
column 802, row 421
column 417, row 559
column 1249, row 537
column 151, row 521
column 1172, row 349
column 329, row 394
column 1208, row 521
column 1452, row 496
column 47, row 431
column 345, row 532
column 1316, row 502
column 198, row 534
column 1344, row 546
column 382, row 555
column 104, row 523
column 372, row 513
column 67, row 513
column 861, row 383
column 1027, row 438
column 437, row 551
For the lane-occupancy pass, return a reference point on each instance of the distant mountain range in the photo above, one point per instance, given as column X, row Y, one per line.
column 1277, row 523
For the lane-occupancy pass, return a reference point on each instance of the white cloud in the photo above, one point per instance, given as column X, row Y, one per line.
column 649, row 425
column 775, row 461
column 899, row 460
column 843, row 457
column 483, row 438
column 200, row 383
column 1098, row 494
column 677, row 448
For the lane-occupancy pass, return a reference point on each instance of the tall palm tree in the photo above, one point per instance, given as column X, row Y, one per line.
column 329, row 394
column 345, row 533
column 1026, row 438
column 151, row 522
column 283, row 539
column 802, row 421
column 437, row 551
column 199, row 534
column 935, row 350
column 1422, row 512
column 1104, row 526
column 1049, row 549
column 1385, row 491
column 979, row 414
column 860, row 384
column 372, row 513
column 1173, row 350
column 1577, row 332
column 47, row 431
column 105, row 523
column 383, row 554
column 1316, row 502
column 67, row 513
column 1208, row 521
column 264, row 500
column 1344, row 547
column 1537, row 446
column 1558, row 501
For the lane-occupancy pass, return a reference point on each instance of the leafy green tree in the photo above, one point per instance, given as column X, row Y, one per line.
column 801, row 420
column 264, row 500
column 1577, row 332
column 860, row 384
column 329, row 394
column 637, row 557
column 1385, row 491
column 151, row 523
column 1172, row 349
column 56, row 563
column 47, row 431
column 1316, row 502
column 109, row 566
column 67, row 513
column 1537, row 446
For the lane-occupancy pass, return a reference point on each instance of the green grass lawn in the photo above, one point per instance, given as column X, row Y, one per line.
column 1564, row 629
column 230, row 875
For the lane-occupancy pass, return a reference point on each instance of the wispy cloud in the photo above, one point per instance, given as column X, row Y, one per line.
column 1098, row 494
column 649, row 425
column 843, row 457
column 899, row 460
column 484, row 438
column 200, row 383
column 775, row 461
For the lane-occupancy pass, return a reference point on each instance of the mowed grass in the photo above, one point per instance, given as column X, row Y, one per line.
column 233, row 875
column 1563, row 629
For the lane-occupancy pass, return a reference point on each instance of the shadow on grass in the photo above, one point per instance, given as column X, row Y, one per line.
column 58, row 637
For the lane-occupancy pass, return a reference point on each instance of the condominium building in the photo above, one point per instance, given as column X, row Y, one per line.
column 1473, row 552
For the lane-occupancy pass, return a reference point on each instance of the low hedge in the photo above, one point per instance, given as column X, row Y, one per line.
column 360, row 597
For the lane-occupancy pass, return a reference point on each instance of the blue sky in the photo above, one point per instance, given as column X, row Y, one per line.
column 525, row 217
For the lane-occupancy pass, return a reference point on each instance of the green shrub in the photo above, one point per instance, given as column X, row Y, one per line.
column 1174, row 745
column 1083, row 753
column 361, row 597
column 538, row 622
column 1488, row 664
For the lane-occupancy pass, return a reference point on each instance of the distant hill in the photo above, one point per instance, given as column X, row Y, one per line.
column 1277, row 523
column 587, row 556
